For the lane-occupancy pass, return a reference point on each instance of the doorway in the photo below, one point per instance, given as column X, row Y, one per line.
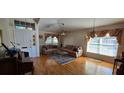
column 26, row 41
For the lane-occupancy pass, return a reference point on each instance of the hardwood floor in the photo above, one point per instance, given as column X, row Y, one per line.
column 81, row 66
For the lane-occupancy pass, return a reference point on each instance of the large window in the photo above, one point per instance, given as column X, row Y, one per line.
column 51, row 40
column 103, row 45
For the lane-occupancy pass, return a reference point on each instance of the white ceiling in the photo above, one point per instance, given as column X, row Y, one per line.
column 72, row 24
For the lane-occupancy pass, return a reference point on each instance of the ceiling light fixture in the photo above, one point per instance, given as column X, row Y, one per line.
column 93, row 32
column 61, row 25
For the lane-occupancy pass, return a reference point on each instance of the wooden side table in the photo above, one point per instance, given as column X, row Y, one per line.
column 116, row 61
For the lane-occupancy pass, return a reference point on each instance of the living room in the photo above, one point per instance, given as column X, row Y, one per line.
column 61, row 46
column 73, row 34
column 83, row 45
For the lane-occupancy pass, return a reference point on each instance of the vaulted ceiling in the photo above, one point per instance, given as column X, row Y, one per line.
column 73, row 24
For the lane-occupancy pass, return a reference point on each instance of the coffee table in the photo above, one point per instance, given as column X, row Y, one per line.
column 63, row 53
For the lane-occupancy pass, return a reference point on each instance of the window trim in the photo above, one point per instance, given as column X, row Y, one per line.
column 100, row 54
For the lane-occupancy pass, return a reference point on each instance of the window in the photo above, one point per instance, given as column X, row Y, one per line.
column 51, row 40
column 55, row 41
column 24, row 25
column 103, row 45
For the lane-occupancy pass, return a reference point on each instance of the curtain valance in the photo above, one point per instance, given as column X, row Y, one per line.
column 114, row 32
column 52, row 35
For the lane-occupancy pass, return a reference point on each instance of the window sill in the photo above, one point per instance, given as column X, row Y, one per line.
column 101, row 55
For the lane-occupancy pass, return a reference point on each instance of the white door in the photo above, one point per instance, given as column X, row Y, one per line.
column 24, row 41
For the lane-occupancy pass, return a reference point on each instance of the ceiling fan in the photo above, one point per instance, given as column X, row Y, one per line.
column 36, row 20
column 49, row 25
column 60, row 27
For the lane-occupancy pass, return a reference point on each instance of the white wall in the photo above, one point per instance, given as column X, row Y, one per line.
column 75, row 38
column 37, row 40
column 0, row 23
column 7, row 31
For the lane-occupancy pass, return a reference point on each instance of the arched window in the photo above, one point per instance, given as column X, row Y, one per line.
column 103, row 45
column 51, row 40
column 55, row 40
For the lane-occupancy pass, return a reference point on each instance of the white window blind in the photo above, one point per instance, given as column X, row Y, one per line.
column 52, row 40
column 103, row 45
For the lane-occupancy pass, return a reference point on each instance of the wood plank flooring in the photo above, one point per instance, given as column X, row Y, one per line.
column 44, row 65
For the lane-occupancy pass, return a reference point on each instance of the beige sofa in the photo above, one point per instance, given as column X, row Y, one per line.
column 48, row 49
column 75, row 51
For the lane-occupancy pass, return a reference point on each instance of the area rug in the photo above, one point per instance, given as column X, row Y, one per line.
column 63, row 59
